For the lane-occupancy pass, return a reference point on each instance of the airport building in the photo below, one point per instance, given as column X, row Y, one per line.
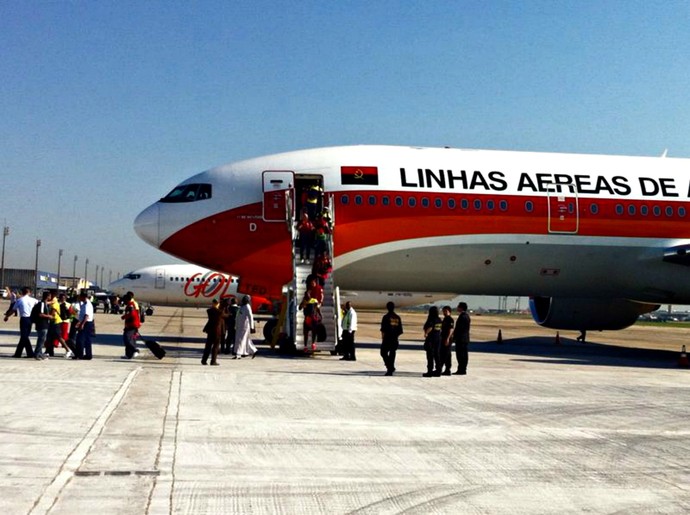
column 16, row 278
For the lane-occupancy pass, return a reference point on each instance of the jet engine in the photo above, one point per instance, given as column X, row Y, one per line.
column 584, row 314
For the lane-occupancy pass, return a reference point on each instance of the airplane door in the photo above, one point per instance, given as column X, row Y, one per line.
column 563, row 212
column 277, row 187
column 160, row 278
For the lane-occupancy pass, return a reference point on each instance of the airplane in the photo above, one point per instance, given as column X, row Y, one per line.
column 187, row 285
column 593, row 240
column 183, row 285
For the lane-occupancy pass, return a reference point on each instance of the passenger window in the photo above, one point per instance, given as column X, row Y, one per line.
column 669, row 211
column 529, row 206
column 372, row 200
column 503, row 205
column 438, row 202
column 451, row 203
column 619, row 209
column 490, row 204
column 412, row 202
column 631, row 210
column 477, row 204
column 656, row 210
column 425, row 202
column 385, row 200
column 464, row 203
column 399, row 201
column 345, row 200
column 681, row 211
column 644, row 210
column 358, row 200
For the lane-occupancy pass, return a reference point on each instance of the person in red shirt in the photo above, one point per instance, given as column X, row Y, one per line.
column 132, row 325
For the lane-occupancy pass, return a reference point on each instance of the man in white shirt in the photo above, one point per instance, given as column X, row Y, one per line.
column 23, row 307
column 349, row 326
column 85, row 326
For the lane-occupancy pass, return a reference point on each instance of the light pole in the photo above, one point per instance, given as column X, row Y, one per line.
column 110, row 276
column 74, row 274
column 86, row 270
column 59, row 269
column 102, row 270
column 38, row 244
column 95, row 279
column 5, row 233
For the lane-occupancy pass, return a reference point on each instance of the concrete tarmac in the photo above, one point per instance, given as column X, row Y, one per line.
column 534, row 427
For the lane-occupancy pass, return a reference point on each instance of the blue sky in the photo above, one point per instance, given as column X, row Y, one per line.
column 105, row 106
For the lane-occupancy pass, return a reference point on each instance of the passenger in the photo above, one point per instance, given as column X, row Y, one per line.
column 55, row 329
column 321, row 236
column 391, row 329
column 244, row 327
column 349, row 326
column 23, row 307
column 215, row 330
column 461, row 336
column 66, row 315
column 230, row 326
column 446, row 341
column 306, row 238
column 322, row 268
column 42, row 323
column 130, row 332
column 85, row 327
column 432, row 343
column 314, row 202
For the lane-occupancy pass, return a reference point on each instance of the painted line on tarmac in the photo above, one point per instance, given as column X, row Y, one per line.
column 51, row 494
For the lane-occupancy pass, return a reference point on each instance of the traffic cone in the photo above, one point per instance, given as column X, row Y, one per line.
column 558, row 338
column 683, row 359
column 499, row 338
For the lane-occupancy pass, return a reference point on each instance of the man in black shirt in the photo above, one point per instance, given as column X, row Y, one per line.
column 391, row 329
column 446, row 340
column 461, row 336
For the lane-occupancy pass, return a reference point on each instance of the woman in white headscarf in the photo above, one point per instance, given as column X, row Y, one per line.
column 244, row 326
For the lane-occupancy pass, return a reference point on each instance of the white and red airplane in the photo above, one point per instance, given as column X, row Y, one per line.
column 185, row 285
column 594, row 240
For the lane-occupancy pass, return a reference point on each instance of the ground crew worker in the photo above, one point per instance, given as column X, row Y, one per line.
column 461, row 336
column 446, row 341
column 391, row 329
column 432, row 343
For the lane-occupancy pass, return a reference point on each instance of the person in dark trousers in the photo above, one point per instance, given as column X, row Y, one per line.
column 446, row 341
column 214, row 329
column 432, row 343
column 391, row 329
column 349, row 326
column 461, row 336
column 131, row 329
column 22, row 307
column 230, row 326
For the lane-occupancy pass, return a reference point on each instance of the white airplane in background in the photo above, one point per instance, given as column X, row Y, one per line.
column 594, row 240
column 184, row 285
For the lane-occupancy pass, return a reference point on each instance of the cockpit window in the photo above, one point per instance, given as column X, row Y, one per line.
column 132, row 276
column 188, row 193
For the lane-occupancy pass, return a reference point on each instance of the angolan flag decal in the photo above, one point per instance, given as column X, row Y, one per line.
column 359, row 175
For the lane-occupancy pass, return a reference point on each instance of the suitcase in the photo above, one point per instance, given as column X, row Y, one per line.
column 155, row 348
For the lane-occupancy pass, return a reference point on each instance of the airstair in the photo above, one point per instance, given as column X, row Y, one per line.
column 330, row 313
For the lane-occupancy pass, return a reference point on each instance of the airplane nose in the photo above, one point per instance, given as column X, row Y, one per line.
column 147, row 225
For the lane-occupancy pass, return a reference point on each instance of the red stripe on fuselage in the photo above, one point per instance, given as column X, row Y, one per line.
column 263, row 257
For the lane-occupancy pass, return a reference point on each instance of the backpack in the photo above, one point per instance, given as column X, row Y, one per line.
column 36, row 313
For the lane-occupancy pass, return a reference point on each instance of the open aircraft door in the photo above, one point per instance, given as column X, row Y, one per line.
column 278, row 189
column 160, row 279
column 563, row 211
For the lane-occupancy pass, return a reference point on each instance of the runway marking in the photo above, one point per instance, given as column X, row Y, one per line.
column 161, row 496
column 50, row 496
